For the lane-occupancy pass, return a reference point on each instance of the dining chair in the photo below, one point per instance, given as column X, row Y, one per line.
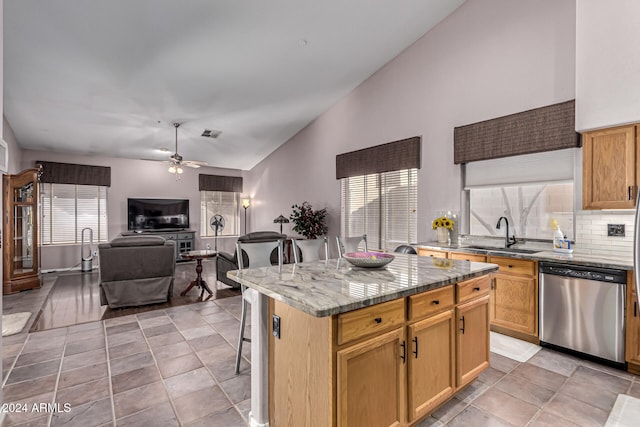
column 309, row 249
column 259, row 255
column 350, row 244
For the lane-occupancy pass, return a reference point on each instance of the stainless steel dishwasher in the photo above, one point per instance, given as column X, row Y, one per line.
column 582, row 310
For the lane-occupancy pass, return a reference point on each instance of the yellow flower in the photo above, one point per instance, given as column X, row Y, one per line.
column 443, row 221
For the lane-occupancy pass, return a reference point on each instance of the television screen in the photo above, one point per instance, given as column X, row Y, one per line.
column 157, row 214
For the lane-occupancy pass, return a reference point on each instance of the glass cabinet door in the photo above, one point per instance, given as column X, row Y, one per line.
column 23, row 239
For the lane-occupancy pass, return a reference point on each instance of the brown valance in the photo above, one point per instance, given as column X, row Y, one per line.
column 220, row 183
column 392, row 156
column 533, row 131
column 69, row 173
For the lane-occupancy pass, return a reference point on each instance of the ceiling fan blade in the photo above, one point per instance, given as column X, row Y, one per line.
column 195, row 162
column 190, row 165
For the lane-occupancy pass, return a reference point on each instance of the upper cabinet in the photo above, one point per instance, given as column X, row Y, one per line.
column 610, row 168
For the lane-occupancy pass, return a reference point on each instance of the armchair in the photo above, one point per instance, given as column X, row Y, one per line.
column 227, row 262
column 136, row 270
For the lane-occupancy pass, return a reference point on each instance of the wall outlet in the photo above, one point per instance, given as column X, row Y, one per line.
column 208, row 246
column 275, row 329
column 616, row 230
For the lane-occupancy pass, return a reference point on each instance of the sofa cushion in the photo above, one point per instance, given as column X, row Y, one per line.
column 137, row 241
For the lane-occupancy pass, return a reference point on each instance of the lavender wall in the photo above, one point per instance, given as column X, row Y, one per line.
column 131, row 178
column 489, row 58
column 15, row 152
column 607, row 78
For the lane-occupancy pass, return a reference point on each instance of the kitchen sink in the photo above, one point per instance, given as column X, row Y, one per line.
column 510, row 250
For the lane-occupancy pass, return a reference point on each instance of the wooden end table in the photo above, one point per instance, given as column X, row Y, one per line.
column 199, row 282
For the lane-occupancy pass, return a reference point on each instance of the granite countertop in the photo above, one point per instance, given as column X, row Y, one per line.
column 325, row 288
column 544, row 254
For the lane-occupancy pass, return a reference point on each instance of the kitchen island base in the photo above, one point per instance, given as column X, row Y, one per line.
column 389, row 364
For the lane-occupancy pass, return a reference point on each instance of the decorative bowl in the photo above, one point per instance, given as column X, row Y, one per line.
column 368, row 259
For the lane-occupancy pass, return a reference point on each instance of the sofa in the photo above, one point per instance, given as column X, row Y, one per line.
column 227, row 262
column 136, row 270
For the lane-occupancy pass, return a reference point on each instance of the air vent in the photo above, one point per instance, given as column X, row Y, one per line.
column 208, row 133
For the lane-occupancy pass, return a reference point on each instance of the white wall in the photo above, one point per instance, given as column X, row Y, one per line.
column 607, row 63
column 488, row 59
column 131, row 178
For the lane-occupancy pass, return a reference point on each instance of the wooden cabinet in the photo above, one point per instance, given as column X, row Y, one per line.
column 432, row 253
column 390, row 364
column 514, row 298
column 472, row 349
column 468, row 257
column 371, row 382
column 432, row 355
column 610, row 168
column 632, row 344
column 20, row 256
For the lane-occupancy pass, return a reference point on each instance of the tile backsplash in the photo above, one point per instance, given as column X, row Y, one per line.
column 591, row 233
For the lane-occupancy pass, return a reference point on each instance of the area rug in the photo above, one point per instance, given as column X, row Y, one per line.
column 513, row 348
column 625, row 412
column 14, row 323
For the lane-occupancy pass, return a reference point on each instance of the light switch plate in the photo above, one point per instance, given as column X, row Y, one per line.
column 616, row 230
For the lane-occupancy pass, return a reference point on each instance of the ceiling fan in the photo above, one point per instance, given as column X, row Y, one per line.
column 177, row 162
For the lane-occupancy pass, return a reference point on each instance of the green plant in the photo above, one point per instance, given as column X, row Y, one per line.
column 308, row 222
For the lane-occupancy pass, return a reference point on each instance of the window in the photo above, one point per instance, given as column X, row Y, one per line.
column 383, row 206
column 224, row 203
column 530, row 190
column 66, row 209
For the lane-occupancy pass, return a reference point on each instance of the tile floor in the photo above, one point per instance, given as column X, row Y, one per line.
column 175, row 367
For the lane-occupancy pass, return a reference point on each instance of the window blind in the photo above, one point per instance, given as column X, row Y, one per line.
column 224, row 203
column 66, row 209
column 383, row 206
column 550, row 166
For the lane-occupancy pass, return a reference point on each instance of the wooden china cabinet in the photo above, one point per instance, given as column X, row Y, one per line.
column 20, row 257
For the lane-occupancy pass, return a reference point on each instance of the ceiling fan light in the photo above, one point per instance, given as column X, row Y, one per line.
column 172, row 169
column 179, row 170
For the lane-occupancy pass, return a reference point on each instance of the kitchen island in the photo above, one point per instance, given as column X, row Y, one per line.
column 337, row 345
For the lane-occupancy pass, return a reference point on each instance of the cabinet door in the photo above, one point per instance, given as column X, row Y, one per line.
column 371, row 382
column 633, row 329
column 472, row 350
column 609, row 168
column 514, row 303
column 432, row 350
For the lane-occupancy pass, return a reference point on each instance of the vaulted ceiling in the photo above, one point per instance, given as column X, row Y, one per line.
column 109, row 77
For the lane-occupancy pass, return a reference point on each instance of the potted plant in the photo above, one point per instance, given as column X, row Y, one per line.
column 308, row 222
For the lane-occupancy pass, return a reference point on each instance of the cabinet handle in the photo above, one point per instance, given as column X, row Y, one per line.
column 378, row 319
column 629, row 193
column 415, row 340
column 435, row 302
column 404, row 352
column 462, row 320
column 476, row 289
column 510, row 266
column 635, row 309
column 493, row 283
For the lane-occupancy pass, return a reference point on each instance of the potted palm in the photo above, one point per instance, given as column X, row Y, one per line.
column 307, row 222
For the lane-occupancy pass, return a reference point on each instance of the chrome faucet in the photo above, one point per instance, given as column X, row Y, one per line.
column 508, row 241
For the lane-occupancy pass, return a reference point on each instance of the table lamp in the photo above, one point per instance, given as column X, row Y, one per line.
column 281, row 220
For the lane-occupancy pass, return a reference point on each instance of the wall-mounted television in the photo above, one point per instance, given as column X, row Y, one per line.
column 157, row 214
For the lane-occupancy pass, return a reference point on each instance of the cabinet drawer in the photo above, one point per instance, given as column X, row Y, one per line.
column 366, row 321
column 183, row 236
column 514, row 265
column 473, row 288
column 468, row 257
column 432, row 253
column 430, row 302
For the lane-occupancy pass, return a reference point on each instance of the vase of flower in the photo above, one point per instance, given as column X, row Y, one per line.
column 443, row 235
column 443, row 226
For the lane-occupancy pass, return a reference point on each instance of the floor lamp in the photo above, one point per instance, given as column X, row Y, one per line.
column 245, row 204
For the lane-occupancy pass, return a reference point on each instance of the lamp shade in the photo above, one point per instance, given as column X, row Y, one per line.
column 281, row 220
column 246, row 203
